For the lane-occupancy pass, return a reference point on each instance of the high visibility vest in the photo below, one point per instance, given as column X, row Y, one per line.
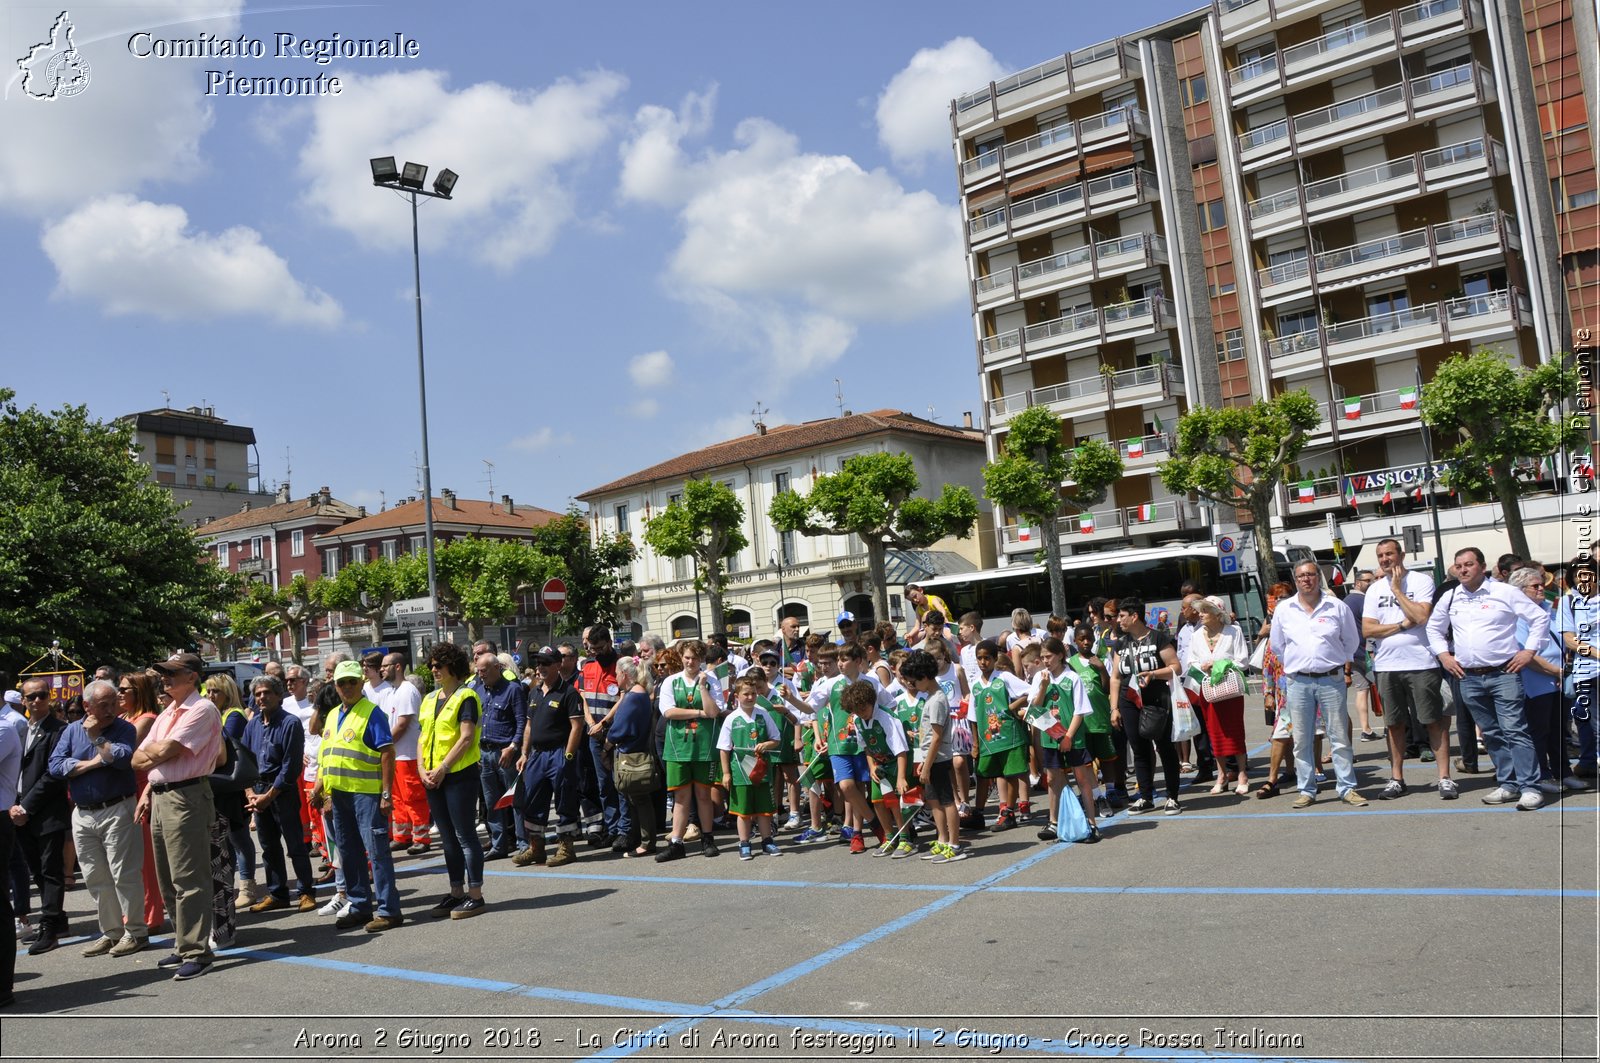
column 345, row 760
column 229, row 713
column 438, row 729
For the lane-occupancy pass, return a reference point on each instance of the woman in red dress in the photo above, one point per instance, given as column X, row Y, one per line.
column 1218, row 656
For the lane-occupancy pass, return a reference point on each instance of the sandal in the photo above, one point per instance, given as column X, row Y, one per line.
column 1243, row 789
column 1216, row 790
column 1268, row 789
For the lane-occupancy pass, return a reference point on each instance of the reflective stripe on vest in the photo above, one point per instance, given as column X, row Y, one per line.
column 346, row 762
column 439, row 730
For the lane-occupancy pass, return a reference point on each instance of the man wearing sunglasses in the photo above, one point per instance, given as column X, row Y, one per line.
column 41, row 814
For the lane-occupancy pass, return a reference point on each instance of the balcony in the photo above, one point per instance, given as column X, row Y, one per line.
column 1105, row 258
column 1078, row 330
column 1363, row 116
column 1138, row 317
column 1050, row 83
column 1139, row 453
column 1147, row 384
column 1371, row 414
column 1067, row 204
column 1102, row 524
column 1074, row 397
column 1475, row 317
column 1055, row 144
column 1162, row 518
column 1059, row 335
column 1241, row 18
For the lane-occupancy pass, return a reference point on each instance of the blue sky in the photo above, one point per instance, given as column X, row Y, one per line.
column 666, row 214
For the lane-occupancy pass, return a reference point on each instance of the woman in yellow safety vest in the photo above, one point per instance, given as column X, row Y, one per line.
column 447, row 746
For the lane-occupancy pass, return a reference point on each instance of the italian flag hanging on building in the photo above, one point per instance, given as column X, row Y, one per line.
column 1023, row 533
column 1086, row 524
column 1387, row 496
column 1408, row 398
column 1308, row 491
column 1350, row 492
column 1147, row 513
column 1136, row 447
column 1352, row 409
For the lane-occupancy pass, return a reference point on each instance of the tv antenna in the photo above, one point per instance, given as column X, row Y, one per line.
column 166, row 399
column 758, row 415
column 489, row 475
column 838, row 394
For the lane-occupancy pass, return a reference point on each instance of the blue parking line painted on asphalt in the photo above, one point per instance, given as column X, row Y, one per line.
column 1291, row 891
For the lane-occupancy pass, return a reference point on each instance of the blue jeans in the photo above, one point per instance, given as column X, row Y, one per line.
column 613, row 810
column 454, row 807
column 1306, row 695
column 548, row 776
column 244, row 850
column 363, row 832
column 496, row 780
column 1495, row 702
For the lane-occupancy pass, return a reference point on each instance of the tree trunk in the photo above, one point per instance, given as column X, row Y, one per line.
column 1506, row 490
column 1261, row 516
column 1051, row 530
column 474, row 629
column 713, row 581
column 298, row 641
column 878, row 571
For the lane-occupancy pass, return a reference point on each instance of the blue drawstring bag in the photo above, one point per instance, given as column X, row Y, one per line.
column 1071, row 824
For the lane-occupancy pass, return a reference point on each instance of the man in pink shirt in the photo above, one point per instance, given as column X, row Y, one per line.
column 181, row 751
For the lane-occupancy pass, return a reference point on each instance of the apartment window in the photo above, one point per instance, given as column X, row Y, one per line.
column 1230, row 346
column 786, row 545
column 297, row 544
column 1387, row 303
column 731, row 564
column 680, row 568
column 256, row 546
column 1295, row 322
column 358, row 554
column 1583, row 199
column 222, row 554
column 419, row 543
column 622, row 518
column 330, row 561
column 391, row 549
column 1212, row 216
column 1194, row 90
column 674, row 498
column 780, row 481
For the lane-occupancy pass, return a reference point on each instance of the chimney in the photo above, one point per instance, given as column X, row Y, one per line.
column 449, row 497
column 361, row 511
column 510, row 506
column 761, row 428
column 283, row 493
column 847, row 413
column 246, row 507
column 966, row 419
column 324, row 496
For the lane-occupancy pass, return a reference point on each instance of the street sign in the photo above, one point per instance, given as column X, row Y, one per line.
column 1226, row 544
column 553, row 595
column 1228, row 564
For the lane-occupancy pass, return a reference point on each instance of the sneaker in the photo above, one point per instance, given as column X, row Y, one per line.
column 902, row 851
column 101, row 946
column 955, row 853
column 447, row 904
column 745, row 852
column 935, row 851
column 1141, row 806
column 191, row 969
column 466, row 910
column 973, row 820
column 351, row 919
column 1427, row 756
column 1094, row 835
column 1171, row 808
column 170, row 963
column 1024, row 812
column 220, row 941
column 1500, row 795
column 1319, row 778
column 1393, row 789
column 496, row 854
column 857, row 845
column 1530, row 800
column 885, row 849
column 337, row 905
column 129, row 945
column 1304, row 801
column 792, row 823
column 1118, row 797
column 846, row 833
column 1007, row 820
column 770, row 847
column 378, row 924
column 1471, row 769
column 419, row 849
column 1369, row 736
column 1549, row 786
column 1350, row 797
column 1572, row 782
column 693, row 833
column 808, row 835
column 1448, row 791
column 1102, row 807
column 708, row 846
column 673, row 851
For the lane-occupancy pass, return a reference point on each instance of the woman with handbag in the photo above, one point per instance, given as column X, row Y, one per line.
column 1141, row 704
column 1216, row 654
column 631, row 740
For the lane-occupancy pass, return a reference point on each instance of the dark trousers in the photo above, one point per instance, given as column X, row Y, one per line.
column 45, row 853
column 21, row 881
column 8, row 925
column 1144, row 767
column 1547, row 726
column 278, row 824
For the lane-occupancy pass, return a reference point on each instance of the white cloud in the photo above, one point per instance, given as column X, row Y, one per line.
column 653, row 167
column 542, row 439
column 914, row 108
column 651, row 370
column 788, row 251
column 137, row 257
column 139, row 120
column 516, row 150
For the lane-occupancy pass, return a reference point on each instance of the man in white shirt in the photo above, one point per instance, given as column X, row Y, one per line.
column 1473, row 632
column 297, row 704
column 411, row 820
column 1315, row 636
column 1395, row 614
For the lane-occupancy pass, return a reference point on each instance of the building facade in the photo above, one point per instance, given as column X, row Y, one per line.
column 783, row 574
column 205, row 462
column 1272, row 195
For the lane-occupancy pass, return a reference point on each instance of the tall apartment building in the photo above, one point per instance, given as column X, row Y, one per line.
column 1270, row 195
column 203, row 460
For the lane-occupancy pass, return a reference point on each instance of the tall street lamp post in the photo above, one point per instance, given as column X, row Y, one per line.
column 409, row 181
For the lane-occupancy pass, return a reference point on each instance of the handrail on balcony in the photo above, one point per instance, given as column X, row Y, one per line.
column 1378, row 173
column 1002, row 341
column 1427, row 9
column 1040, row 267
column 1496, row 302
column 1351, row 108
column 1377, row 324
column 1061, row 196
column 1274, row 203
column 1234, row 5
column 1450, row 154
column 1339, row 38
column 1284, row 272
column 1113, row 117
column 1263, row 135
column 1148, row 306
column 979, row 163
column 984, row 222
column 1064, row 132
column 1477, row 225
column 1426, row 85
column 1072, row 389
column 1077, row 321
column 1368, row 250
column 993, row 280
column 1257, row 67
column 1142, row 375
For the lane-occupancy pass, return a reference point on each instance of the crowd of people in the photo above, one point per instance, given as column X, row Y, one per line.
column 164, row 786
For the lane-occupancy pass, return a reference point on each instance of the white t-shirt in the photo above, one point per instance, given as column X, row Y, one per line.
column 1404, row 651
column 739, row 717
column 885, row 699
column 299, row 709
column 403, row 700
column 313, row 744
column 969, row 664
column 666, row 700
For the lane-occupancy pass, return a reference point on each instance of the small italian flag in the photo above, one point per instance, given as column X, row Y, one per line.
column 1147, row 513
column 1408, row 398
column 1024, row 533
column 1086, row 524
column 1417, row 494
column 1352, row 409
column 1350, row 492
column 1387, row 496
column 1308, row 491
column 1136, row 447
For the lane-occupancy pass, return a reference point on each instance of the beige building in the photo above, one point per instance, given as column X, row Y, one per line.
column 205, row 462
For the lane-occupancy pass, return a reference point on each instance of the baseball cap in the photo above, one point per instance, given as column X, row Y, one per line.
column 770, row 655
column 179, row 662
column 348, row 670
column 13, row 697
column 545, row 655
column 845, row 617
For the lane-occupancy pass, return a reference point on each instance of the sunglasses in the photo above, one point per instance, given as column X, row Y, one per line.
column 124, row 690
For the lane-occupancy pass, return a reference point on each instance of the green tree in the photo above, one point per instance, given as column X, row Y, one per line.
column 92, row 552
column 874, row 497
column 1236, row 456
column 1498, row 413
column 707, row 524
column 295, row 607
column 369, row 589
column 480, row 580
column 1027, row 478
column 597, row 571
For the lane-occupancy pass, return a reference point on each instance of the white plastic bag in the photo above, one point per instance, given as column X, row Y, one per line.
column 1185, row 721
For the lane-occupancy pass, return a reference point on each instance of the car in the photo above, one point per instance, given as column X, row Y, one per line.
column 241, row 672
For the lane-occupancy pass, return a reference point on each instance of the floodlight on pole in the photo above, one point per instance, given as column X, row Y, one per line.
column 409, row 181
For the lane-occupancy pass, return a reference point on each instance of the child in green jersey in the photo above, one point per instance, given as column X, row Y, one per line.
column 748, row 735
